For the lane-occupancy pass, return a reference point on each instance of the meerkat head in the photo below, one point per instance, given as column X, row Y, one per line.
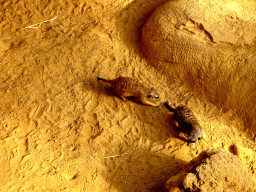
column 153, row 93
column 195, row 134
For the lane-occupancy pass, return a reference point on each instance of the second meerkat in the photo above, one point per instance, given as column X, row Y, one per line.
column 187, row 123
column 129, row 87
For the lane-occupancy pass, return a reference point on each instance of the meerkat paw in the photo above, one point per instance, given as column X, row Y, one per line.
column 123, row 98
column 177, row 124
column 150, row 103
column 192, row 145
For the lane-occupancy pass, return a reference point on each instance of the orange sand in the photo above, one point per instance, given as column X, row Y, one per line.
column 62, row 130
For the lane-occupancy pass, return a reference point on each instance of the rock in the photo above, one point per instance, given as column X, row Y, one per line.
column 213, row 170
column 190, row 182
column 210, row 46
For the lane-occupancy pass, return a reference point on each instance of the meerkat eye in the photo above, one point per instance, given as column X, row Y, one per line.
column 149, row 96
column 157, row 97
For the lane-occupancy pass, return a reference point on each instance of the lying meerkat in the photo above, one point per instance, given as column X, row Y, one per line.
column 187, row 123
column 128, row 87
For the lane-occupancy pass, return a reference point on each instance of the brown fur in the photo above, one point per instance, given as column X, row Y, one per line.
column 128, row 87
column 187, row 123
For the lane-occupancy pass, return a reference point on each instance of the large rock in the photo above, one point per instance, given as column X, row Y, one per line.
column 210, row 46
column 215, row 171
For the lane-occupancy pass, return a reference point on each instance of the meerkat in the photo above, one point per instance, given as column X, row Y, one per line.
column 186, row 122
column 126, row 87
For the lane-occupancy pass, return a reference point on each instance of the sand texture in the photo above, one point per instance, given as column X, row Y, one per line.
column 63, row 130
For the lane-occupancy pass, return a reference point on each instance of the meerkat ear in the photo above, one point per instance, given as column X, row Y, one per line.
column 152, row 90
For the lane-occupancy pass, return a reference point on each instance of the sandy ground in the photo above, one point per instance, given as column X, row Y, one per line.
column 62, row 130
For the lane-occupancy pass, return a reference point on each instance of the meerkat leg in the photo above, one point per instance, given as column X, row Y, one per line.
column 146, row 102
column 151, row 104
column 192, row 145
column 122, row 96
column 177, row 124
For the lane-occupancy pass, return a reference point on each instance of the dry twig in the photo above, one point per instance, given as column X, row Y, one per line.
column 37, row 25
column 115, row 156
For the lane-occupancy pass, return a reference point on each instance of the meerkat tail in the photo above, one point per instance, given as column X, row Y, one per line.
column 107, row 81
column 168, row 106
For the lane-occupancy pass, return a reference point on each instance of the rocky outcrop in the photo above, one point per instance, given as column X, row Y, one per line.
column 215, row 171
column 210, row 46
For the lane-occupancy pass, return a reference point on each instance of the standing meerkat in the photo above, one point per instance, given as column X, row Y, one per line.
column 128, row 87
column 187, row 123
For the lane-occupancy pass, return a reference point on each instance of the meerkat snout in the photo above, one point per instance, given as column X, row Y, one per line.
column 153, row 93
column 195, row 134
